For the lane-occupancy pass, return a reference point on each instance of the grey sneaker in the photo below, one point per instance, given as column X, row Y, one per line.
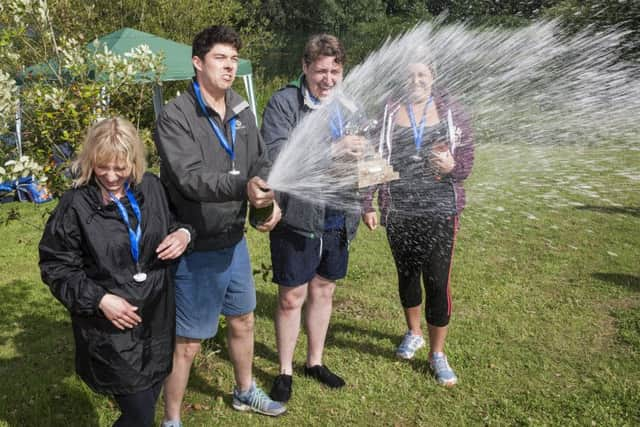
column 171, row 423
column 256, row 400
column 442, row 371
column 409, row 345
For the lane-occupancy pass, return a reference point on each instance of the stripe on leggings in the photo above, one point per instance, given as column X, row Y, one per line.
column 453, row 247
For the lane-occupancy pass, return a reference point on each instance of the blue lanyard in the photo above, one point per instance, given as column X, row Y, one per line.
column 232, row 123
column 134, row 237
column 337, row 127
column 418, row 131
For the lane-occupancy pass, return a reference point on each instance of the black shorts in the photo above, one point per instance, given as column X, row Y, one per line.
column 296, row 259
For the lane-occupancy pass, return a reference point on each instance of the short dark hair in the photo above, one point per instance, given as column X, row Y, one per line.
column 323, row 45
column 216, row 34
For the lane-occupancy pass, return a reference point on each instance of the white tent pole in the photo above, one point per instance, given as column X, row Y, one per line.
column 248, row 87
column 19, row 126
column 158, row 100
column 253, row 98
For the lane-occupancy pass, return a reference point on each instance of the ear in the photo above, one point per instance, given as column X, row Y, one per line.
column 304, row 67
column 197, row 63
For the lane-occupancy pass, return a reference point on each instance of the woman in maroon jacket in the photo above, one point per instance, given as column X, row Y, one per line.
column 428, row 140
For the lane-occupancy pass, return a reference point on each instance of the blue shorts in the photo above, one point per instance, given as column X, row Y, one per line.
column 296, row 259
column 211, row 283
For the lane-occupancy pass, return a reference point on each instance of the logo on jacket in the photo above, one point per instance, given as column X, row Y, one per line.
column 239, row 124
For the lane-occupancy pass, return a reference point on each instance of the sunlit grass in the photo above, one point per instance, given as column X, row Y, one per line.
column 545, row 327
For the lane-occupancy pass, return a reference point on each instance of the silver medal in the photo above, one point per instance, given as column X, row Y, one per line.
column 140, row 277
column 233, row 170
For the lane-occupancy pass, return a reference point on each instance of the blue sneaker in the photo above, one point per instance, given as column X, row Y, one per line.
column 256, row 400
column 409, row 345
column 442, row 371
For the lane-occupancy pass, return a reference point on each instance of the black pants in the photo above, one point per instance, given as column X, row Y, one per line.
column 138, row 409
column 423, row 246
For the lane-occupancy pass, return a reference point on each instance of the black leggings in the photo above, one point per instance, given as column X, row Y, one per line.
column 424, row 247
column 138, row 409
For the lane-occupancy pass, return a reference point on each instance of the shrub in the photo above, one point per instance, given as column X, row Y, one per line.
column 71, row 87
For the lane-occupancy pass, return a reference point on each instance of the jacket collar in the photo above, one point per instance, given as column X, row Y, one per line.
column 310, row 101
column 94, row 195
column 234, row 103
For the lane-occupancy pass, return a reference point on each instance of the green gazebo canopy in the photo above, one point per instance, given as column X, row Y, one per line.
column 177, row 56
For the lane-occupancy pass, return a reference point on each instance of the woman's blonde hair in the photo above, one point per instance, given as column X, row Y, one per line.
column 114, row 139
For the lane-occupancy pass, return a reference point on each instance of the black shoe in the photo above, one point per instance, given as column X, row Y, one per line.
column 324, row 375
column 281, row 389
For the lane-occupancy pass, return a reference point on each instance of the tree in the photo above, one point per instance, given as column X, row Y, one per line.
column 599, row 14
column 178, row 20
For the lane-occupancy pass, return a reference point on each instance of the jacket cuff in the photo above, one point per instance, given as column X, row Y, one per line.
column 100, row 293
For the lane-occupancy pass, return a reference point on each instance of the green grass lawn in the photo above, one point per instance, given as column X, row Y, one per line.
column 545, row 327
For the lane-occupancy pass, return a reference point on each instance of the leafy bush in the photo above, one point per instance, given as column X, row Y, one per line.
column 21, row 168
column 72, row 86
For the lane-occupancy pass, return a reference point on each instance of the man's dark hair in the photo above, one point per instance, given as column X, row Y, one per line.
column 323, row 45
column 217, row 34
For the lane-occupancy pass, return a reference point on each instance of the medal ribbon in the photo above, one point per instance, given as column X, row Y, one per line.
column 230, row 149
column 418, row 131
column 134, row 236
column 337, row 126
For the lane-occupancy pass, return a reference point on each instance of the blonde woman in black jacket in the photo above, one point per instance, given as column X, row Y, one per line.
column 105, row 255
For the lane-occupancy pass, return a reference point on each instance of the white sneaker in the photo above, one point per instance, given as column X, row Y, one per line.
column 442, row 371
column 409, row 345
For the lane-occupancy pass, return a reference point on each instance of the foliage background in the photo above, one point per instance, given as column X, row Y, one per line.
column 273, row 31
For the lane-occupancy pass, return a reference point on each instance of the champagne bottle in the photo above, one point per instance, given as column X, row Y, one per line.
column 258, row 216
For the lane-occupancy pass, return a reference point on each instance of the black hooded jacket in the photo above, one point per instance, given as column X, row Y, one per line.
column 84, row 254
